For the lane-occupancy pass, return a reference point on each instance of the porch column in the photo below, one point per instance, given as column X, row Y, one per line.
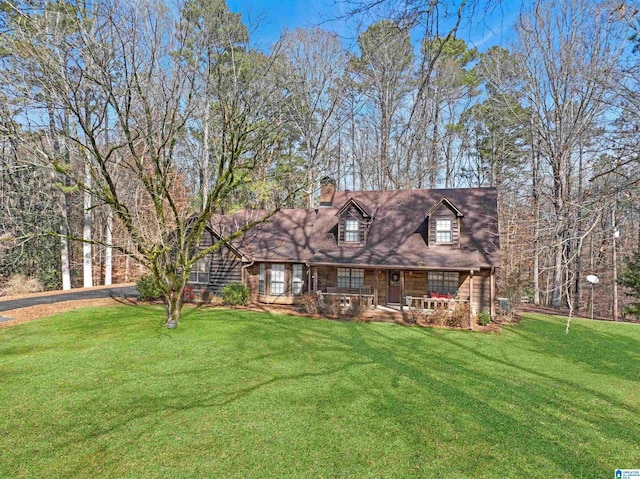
column 470, row 299
column 492, row 306
column 376, row 273
column 315, row 278
column 401, row 292
column 309, row 279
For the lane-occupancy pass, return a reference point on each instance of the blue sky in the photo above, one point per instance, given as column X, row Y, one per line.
column 271, row 18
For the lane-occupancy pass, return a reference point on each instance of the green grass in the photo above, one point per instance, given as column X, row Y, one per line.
column 112, row 393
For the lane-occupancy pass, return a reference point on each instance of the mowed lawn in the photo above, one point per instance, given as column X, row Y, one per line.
column 112, row 393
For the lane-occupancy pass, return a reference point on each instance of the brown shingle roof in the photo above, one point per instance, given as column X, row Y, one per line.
column 394, row 237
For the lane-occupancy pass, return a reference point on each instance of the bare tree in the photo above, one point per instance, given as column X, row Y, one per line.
column 312, row 71
column 383, row 75
column 134, row 69
column 569, row 52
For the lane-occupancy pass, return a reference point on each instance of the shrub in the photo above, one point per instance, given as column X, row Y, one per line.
column 235, row 294
column 630, row 279
column 355, row 310
column 484, row 318
column 309, row 303
column 459, row 318
column 416, row 316
column 329, row 306
column 438, row 317
column 148, row 288
column 20, row 284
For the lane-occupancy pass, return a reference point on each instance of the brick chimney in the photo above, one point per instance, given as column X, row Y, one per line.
column 327, row 190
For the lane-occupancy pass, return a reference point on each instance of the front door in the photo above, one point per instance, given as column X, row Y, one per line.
column 393, row 295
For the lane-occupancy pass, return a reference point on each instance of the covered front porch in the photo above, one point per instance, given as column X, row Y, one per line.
column 403, row 290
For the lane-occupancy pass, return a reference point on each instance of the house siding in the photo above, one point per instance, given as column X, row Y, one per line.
column 481, row 300
column 415, row 283
column 327, row 277
column 225, row 266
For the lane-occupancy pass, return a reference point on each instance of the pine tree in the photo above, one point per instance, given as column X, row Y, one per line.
column 630, row 279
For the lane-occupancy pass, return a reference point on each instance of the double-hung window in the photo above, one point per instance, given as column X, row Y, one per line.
column 351, row 231
column 261, row 274
column 443, row 230
column 349, row 278
column 277, row 279
column 445, row 282
column 297, row 279
column 199, row 272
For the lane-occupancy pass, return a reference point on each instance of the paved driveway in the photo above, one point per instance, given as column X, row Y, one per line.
column 114, row 292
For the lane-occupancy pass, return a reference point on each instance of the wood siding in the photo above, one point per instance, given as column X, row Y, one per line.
column 481, row 300
column 225, row 266
column 415, row 283
column 327, row 277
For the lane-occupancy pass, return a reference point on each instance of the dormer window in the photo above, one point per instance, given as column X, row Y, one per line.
column 353, row 223
column 442, row 224
column 351, row 231
column 443, row 230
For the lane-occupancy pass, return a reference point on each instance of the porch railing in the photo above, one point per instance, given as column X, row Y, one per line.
column 430, row 304
column 347, row 299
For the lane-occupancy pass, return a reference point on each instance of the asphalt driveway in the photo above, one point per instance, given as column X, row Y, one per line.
column 112, row 292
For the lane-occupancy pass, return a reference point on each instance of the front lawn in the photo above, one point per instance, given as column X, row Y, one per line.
column 112, row 393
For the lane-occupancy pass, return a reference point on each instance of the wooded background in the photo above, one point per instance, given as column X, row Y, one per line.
column 551, row 120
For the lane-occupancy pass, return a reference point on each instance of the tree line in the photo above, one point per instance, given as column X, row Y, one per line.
column 125, row 126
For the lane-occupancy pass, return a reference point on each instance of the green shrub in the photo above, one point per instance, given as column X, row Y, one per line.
column 148, row 288
column 235, row 294
column 630, row 279
column 484, row 318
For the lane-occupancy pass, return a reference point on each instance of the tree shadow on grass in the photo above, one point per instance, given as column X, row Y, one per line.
column 465, row 405
column 526, row 416
column 609, row 352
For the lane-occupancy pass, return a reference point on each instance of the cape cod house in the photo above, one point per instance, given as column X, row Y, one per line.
column 420, row 248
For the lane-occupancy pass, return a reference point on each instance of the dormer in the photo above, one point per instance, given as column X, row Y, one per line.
column 443, row 224
column 353, row 224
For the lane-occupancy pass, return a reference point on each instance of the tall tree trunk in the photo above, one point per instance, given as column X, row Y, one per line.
column 173, row 298
column 614, row 261
column 174, row 306
column 204, row 167
column 108, row 251
column 108, row 236
column 560, row 235
column 578, row 262
column 433, row 167
column 384, row 145
column 87, row 264
column 536, row 223
column 65, row 268
column 310, row 182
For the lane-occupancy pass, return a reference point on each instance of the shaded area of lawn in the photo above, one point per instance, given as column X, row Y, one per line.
column 111, row 392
